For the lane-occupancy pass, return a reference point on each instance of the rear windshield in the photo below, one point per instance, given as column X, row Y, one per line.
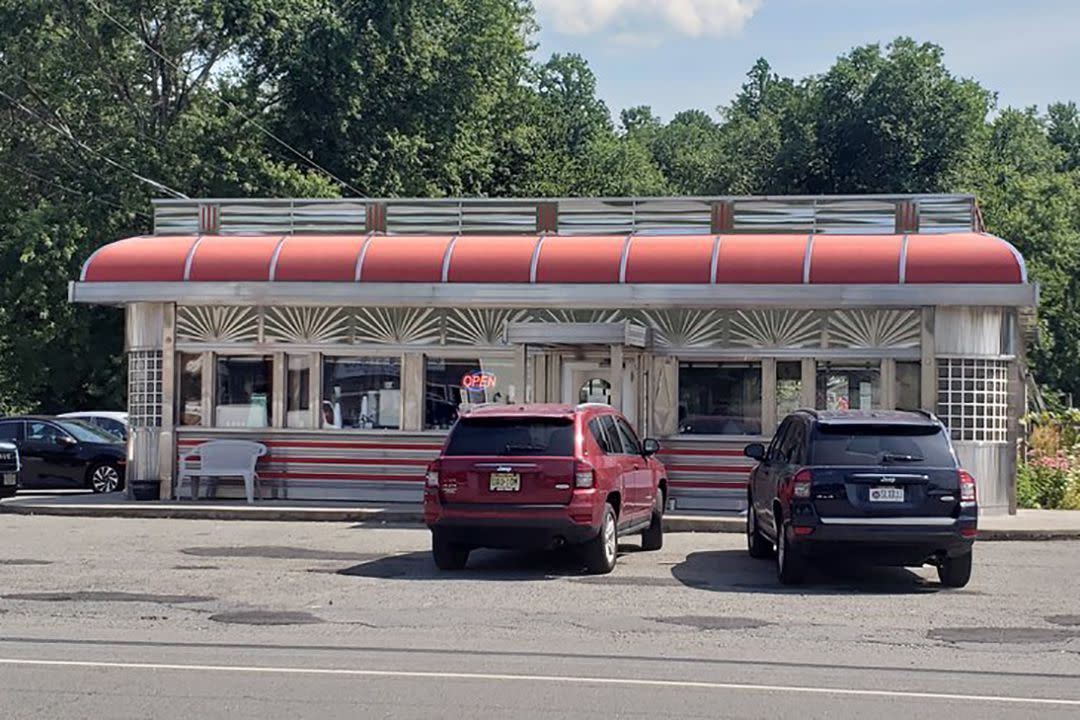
column 881, row 445
column 552, row 437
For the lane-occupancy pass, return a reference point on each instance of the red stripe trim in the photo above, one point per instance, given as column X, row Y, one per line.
column 709, row 468
column 709, row 485
column 274, row 475
column 707, row 453
column 328, row 445
column 349, row 461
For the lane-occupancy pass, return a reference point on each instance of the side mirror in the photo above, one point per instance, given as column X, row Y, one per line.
column 651, row 447
column 64, row 441
column 755, row 451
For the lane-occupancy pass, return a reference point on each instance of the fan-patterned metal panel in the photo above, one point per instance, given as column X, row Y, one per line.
column 776, row 329
column 306, row 325
column 686, row 328
column 581, row 316
column 217, row 325
column 480, row 326
column 875, row 328
column 399, row 326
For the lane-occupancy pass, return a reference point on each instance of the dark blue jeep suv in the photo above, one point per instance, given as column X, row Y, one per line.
column 880, row 487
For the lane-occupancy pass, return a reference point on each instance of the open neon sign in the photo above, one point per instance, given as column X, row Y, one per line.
column 479, row 381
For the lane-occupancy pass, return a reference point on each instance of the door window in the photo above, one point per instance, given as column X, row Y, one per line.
column 10, row 431
column 773, row 452
column 43, row 432
column 629, row 439
column 595, row 390
column 612, row 432
column 597, row 430
column 791, row 449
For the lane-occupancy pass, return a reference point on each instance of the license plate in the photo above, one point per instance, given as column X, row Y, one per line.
column 505, row 482
column 10, row 478
column 886, row 494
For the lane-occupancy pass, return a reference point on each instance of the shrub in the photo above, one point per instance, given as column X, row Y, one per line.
column 1044, row 483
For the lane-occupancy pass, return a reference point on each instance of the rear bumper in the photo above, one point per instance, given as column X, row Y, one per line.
column 510, row 526
column 899, row 543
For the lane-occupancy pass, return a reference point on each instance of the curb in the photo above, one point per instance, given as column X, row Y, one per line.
column 378, row 516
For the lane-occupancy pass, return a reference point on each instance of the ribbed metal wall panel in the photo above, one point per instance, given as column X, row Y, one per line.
column 705, row 475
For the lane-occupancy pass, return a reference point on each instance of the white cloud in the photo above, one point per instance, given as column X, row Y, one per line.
column 693, row 18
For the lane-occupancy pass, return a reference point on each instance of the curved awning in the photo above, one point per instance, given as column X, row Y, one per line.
column 740, row 259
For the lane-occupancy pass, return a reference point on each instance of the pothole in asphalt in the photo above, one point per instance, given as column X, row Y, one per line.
column 1002, row 635
column 103, row 596
column 713, row 622
column 23, row 561
column 196, row 567
column 638, row 581
column 265, row 617
column 277, row 552
column 1069, row 620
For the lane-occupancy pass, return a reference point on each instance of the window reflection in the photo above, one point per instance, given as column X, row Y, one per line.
column 362, row 393
column 720, row 398
column 244, row 387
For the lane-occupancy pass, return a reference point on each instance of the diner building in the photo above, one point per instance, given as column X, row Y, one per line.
column 347, row 334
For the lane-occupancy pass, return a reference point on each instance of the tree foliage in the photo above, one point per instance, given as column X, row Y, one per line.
column 105, row 104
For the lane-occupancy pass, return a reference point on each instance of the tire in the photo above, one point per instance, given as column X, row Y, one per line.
column 448, row 555
column 602, row 551
column 955, row 572
column 790, row 566
column 653, row 536
column 104, row 478
column 758, row 547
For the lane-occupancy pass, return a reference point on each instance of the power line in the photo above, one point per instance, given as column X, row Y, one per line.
column 65, row 188
column 226, row 102
column 66, row 132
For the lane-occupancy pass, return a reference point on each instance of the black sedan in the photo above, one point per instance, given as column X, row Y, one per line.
column 63, row 453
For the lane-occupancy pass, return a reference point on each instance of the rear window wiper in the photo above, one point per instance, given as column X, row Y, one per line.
column 896, row 457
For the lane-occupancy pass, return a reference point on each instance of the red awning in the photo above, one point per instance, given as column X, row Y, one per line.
column 958, row 258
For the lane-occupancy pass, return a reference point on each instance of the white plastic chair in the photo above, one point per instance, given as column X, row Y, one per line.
column 222, row 458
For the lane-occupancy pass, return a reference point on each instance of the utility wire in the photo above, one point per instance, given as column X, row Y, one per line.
column 65, row 188
column 226, row 102
column 65, row 132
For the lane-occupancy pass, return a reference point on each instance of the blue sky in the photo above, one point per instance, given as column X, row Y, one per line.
column 679, row 54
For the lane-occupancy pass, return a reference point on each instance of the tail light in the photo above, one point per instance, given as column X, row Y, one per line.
column 584, row 477
column 801, row 484
column 967, row 487
column 431, row 479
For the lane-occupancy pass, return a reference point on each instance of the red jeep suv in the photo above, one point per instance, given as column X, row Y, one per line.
column 543, row 476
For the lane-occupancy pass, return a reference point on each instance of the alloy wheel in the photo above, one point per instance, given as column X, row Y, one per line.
column 105, row 479
column 610, row 544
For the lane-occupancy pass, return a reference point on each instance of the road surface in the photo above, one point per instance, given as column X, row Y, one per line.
column 197, row 619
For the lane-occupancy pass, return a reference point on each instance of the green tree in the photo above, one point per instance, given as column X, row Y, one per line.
column 897, row 121
column 98, row 114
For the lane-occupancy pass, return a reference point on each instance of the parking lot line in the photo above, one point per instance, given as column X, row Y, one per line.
column 553, row 679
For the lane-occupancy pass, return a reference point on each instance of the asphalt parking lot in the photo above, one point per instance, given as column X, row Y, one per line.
column 184, row 618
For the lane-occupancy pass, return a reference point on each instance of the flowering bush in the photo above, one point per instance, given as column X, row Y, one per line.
column 1049, row 477
column 1043, row 482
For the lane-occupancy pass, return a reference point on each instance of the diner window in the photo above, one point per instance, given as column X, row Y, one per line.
column 848, row 386
column 361, row 393
column 190, row 405
column 244, row 389
column 298, row 391
column 452, row 386
column 788, row 388
column 908, row 385
column 719, row 398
